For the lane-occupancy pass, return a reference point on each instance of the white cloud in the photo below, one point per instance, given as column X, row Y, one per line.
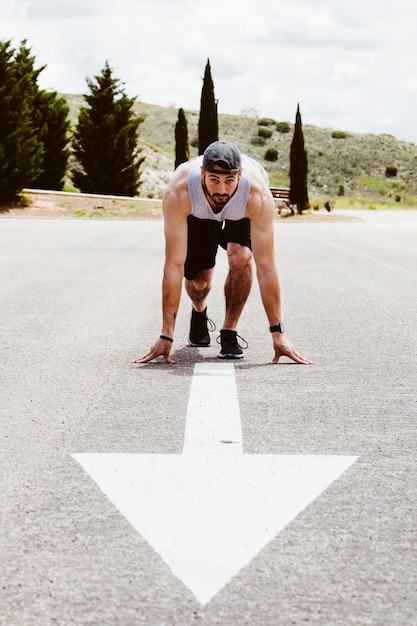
column 349, row 65
column 13, row 10
column 64, row 9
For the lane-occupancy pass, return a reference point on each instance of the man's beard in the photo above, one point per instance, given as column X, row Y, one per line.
column 220, row 200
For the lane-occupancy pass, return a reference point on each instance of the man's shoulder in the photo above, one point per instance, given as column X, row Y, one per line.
column 260, row 201
column 183, row 171
column 176, row 196
column 254, row 168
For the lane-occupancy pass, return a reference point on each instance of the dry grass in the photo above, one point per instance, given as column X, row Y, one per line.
column 73, row 205
column 35, row 204
column 354, row 161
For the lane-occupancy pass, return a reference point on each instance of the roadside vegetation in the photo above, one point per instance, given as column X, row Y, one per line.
column 91, row 143
column 347, row 169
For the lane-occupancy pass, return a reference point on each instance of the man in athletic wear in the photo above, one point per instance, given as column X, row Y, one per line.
column 221, row 198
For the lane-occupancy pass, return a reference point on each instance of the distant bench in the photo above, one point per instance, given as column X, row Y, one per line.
column 282, row 194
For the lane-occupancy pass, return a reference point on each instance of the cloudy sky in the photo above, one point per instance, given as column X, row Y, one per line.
column 351, row 64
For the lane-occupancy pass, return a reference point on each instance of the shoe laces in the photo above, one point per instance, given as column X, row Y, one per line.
column 243, row 346
column 211, row 326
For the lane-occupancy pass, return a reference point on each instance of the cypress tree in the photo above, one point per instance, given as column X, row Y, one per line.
column 182, row 150
column 52, row 127
column 20, row 148
column 105, row 140
column 298, row 167
column 208, row 125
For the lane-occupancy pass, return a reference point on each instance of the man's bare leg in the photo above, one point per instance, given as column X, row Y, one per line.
column 199, row 288
column 238, row 283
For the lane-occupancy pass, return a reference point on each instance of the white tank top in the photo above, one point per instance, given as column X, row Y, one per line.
column 235, row 208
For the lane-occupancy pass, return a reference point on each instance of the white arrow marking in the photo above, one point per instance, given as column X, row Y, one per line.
column 210, row 510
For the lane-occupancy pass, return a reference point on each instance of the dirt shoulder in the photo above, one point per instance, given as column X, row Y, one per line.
column 76, row 205
column 38, row 204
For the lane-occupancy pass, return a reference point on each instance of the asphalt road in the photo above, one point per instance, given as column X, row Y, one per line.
column 81, row 299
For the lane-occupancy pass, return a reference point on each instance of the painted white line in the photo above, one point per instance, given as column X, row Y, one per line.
column 210, row 510
column 213, row 423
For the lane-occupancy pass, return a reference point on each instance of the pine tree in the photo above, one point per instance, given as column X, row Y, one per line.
column 105, row 140
column 208, row 125
column 52, row 127
column 298, row 167
column 182, row 150
column 20, row 148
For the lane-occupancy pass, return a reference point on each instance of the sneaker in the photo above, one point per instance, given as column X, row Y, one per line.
column 200, row 325
column 231, row 349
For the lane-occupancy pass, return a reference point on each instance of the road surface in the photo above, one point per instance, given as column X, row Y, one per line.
column 81, row 300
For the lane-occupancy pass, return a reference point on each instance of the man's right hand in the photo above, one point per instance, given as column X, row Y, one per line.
column 162, row 347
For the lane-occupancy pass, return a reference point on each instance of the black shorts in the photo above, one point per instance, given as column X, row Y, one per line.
column 204, row 237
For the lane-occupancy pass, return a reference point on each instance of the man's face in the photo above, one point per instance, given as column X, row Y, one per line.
column 219, row 187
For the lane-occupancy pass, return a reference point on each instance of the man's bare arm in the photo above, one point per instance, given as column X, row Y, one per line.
column 261, row 211
column 175, row 208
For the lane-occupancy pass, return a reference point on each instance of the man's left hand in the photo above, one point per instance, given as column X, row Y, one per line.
column 283, row 347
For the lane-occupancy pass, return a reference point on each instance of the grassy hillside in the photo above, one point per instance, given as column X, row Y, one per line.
column 351, row 164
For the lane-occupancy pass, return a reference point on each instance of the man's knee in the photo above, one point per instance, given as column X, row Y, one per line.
column 239, row 257
column 199, row 284
column 202, row 281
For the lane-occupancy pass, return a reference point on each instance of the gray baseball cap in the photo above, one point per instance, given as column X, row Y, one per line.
column 224, row 155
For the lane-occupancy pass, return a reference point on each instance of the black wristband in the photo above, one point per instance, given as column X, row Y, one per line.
column 166, row 338
column 279, row 328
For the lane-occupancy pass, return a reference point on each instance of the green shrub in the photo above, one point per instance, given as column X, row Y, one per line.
column 283, row 127
column 339, row 134
column 264, row 132
column 258, row 141
column 391, row 171
column 266, row 121
column 271, row 155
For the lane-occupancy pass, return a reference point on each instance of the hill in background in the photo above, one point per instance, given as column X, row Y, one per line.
column 340, row 163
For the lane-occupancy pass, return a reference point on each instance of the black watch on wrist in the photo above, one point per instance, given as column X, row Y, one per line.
column 279, row 328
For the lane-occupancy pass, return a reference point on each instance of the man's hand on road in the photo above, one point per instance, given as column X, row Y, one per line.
column 159, row 348
column 283, row 347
